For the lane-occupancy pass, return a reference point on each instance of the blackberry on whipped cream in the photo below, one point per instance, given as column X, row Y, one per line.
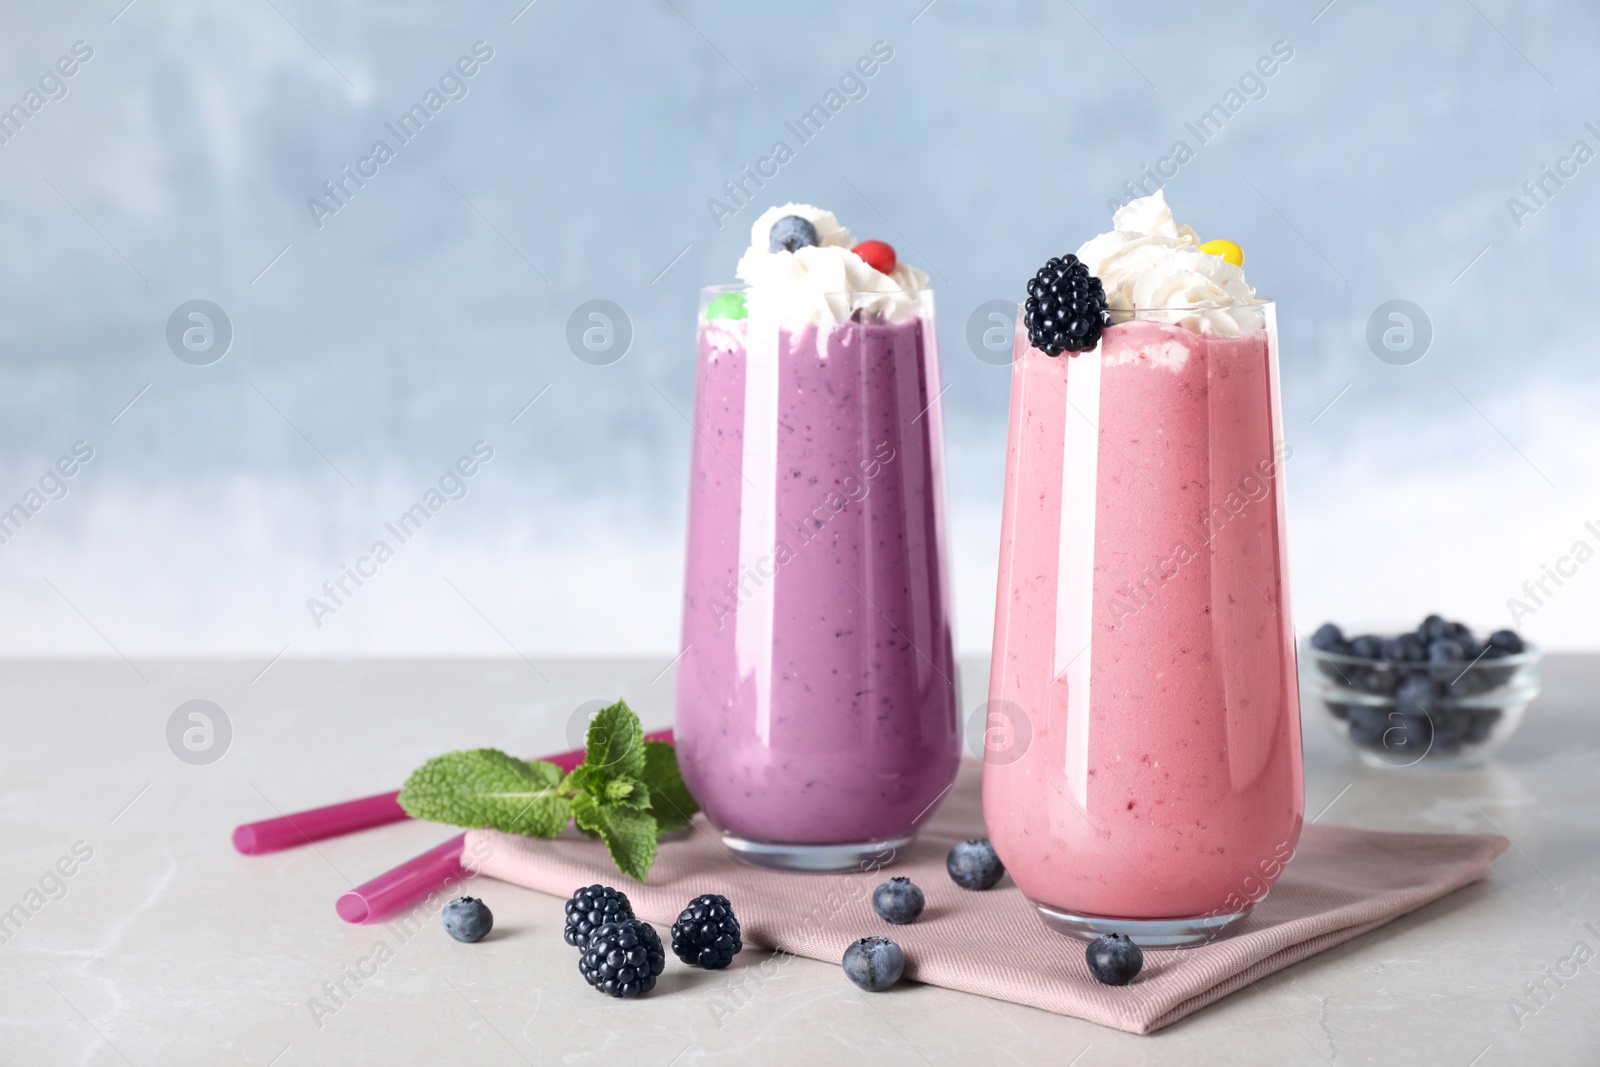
column 1066, row 307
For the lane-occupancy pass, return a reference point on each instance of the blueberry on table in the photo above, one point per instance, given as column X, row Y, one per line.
column 623, row 959
column 791, row 233
column 467, row 919
column 898, row 901
column 1114, row 959
column 707, row 933
column 974, row 865
column 874, row 963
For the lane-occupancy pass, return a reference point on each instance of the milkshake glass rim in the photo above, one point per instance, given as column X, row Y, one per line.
column 741, row 287
column 1180, row 308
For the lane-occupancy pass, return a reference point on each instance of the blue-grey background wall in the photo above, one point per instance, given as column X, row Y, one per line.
column 373, row 346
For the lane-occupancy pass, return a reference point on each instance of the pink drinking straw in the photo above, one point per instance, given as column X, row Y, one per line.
column 401, row 887
column 303, row 827
column 395, row 890
column 335, row 820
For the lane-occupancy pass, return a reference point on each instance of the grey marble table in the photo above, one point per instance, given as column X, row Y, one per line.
column 162, row 946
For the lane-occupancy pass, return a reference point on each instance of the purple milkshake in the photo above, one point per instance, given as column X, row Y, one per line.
column 817, row 715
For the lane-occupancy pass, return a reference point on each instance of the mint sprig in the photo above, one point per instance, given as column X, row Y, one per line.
column 484, row 787
column 670, row 801
column 627, row 791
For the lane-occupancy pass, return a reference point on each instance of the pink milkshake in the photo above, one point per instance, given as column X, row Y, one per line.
column 1142, row 632
column 817, row 721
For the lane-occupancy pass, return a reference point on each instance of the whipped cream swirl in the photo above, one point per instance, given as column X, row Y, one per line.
column 822, row 285
column 1147, row 262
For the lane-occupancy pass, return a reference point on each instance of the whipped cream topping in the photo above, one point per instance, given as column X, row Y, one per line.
column 821, row 285
column 1149, row 262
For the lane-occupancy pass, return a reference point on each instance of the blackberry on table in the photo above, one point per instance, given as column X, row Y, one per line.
column 591, row 908
column 707, row 933
column 623, row 959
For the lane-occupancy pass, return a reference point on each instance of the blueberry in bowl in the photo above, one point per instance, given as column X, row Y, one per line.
column 1437, row 696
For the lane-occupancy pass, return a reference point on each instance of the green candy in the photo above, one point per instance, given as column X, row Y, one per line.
column 729, row 305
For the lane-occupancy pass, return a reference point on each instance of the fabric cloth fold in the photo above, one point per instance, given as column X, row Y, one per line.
column 1341, row 883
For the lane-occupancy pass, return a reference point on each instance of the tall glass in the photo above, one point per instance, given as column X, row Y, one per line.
column 1142, row 767
column 817, row 719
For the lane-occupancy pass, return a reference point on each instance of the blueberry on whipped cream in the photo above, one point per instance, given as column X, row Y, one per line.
column 1066, row 307
column 791, row 233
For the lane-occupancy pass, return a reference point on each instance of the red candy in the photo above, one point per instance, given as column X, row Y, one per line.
column 878, row 254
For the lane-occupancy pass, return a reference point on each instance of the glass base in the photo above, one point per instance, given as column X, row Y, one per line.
column 1431, row 762
column 865, row 855
column 1146, row 933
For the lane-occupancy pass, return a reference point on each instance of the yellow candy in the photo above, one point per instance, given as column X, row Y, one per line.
column 1226, row 249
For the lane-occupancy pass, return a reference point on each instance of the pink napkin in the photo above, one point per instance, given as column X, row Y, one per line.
column 1341, row 883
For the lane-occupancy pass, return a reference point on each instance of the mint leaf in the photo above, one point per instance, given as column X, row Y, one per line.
column 615, row 743
column 586, row 813
column 630, row 835
column 585, row 779
column 670, row 801
column 628, row 793
column 484, row 787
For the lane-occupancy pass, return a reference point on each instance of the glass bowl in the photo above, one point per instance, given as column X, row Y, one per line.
column 1410, row 714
